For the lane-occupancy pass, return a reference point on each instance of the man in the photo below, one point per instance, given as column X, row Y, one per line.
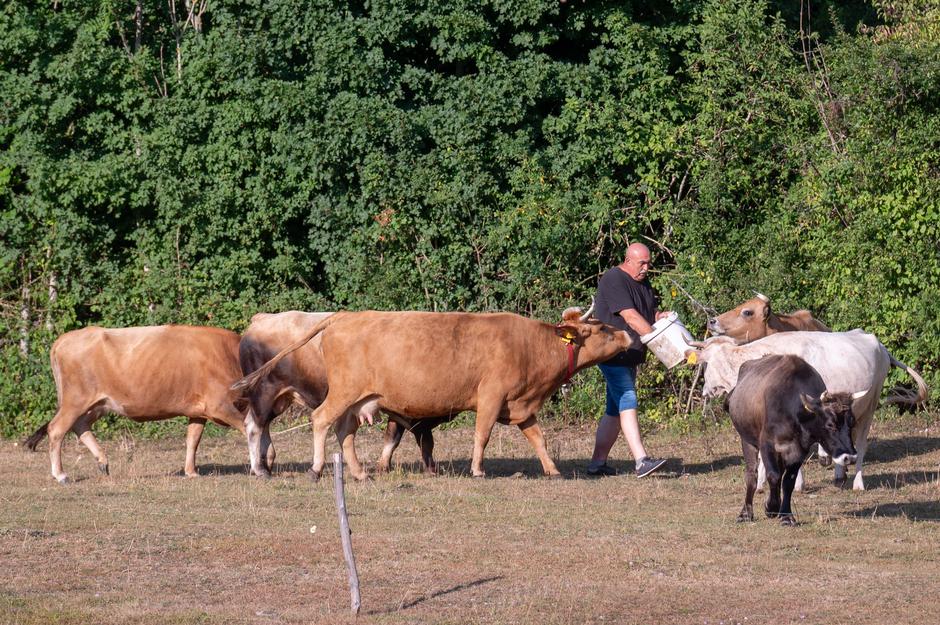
column 627, row 301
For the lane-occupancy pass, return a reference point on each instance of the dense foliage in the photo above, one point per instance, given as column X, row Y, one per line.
column 198, row 162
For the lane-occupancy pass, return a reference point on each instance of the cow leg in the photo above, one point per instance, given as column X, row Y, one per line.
column 253, row 433
column 346, row 435
column 193, row 436
column 58, row 427
column 530, row 427
column 838, row 475
column 267, row 448
column 82, row 429
column 332, row 410
column 863, row 426
column 761, row 473
column 487, row 414
column 772, row 464
column 257, row 429
column 392, row 439
column 751, row 460
column 424, row 436
column 788, row 482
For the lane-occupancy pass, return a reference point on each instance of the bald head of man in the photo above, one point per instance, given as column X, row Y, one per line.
column 637, row 261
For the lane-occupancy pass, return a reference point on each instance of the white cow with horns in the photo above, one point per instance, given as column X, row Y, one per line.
column 846, row 361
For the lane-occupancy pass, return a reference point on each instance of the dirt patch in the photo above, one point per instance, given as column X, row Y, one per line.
column 148, row 546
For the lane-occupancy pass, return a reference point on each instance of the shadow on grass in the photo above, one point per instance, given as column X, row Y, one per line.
column 440, row 593
column 714, row 465
column 890, row 450
column 914, row 511
column 898, row 479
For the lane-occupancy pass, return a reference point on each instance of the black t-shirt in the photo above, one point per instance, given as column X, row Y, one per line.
column 617, row 291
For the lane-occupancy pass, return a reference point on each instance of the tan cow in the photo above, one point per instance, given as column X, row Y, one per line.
column 301, row 377
column 144, row 374
column 754, row 320
column 425, row 365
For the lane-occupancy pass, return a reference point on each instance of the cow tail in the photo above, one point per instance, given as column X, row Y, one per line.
column 901, row 395
column 31, row 442
column 251, row 380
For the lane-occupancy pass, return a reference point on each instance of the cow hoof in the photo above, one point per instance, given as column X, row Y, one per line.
column 553, row 476
column 264, row 474
column 839, row 482
column 479, row 475
column 787, row 520
column 63, row 480
column 825, row 461
column 364, row 477
column 745, row 518
column 103, row 468
column 192, row 475
column 313, row 475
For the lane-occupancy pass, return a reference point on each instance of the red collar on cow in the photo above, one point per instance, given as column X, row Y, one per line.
column 569, row 338
column 570, row 371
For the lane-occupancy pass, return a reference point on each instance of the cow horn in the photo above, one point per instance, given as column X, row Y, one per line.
column 587, row 315
column 860, row 394
column 698, row 344
column 762, row 297
column 824, row 396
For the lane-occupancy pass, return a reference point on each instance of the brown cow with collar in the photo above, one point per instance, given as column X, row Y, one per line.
column 427, row 365
column 754, row 320
column 145, row 374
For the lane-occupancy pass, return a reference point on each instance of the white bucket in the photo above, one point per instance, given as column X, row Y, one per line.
column 669, row 340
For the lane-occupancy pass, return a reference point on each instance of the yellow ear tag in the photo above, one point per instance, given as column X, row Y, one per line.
column 692, row 358
column 569, row 336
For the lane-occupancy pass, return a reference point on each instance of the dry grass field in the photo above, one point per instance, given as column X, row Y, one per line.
column 147, row 546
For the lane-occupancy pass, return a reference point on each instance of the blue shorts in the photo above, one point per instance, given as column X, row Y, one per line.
column 621, row 388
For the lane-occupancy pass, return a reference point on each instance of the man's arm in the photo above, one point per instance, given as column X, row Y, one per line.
column 636, row 321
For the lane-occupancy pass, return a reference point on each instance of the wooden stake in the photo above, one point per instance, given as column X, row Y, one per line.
column 344, row 533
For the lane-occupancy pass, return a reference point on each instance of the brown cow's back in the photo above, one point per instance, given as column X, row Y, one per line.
column 150, row 372
column 445, row 356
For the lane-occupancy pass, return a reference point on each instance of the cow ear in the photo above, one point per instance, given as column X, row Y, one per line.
column 765, row 311
column 567, row 333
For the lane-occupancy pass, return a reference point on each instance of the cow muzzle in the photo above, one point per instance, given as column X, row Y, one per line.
column 844, row 459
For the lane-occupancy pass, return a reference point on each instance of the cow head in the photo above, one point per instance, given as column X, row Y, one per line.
column 598, row 341
column 829, row 419
column 747, row 322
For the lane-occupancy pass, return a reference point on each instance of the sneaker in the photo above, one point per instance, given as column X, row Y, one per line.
column 602, row 470
column 647, row 465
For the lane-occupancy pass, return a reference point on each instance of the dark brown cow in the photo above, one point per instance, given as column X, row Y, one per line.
column 780, row 408
column 754, row 320
column 301, row 377
column 425, row 365
column 144, row 374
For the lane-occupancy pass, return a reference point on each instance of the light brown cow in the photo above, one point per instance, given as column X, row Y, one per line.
column 144, row 374
column 501, row 365
column 301, row 377
column 754, row 320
